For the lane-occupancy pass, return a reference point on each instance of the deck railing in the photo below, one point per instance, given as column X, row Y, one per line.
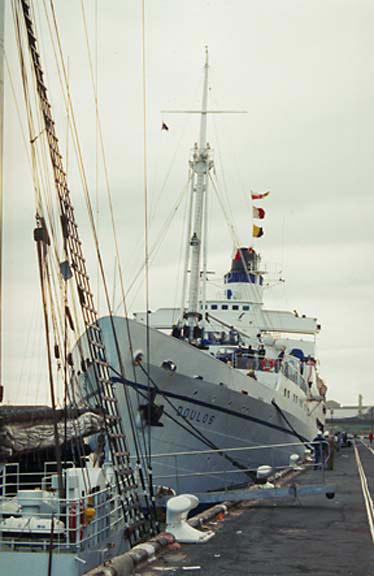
column 43, row 520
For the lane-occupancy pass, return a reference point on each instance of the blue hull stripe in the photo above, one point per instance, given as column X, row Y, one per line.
column 216, row 408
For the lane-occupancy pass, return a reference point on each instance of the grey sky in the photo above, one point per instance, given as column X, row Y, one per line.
column 304, row 71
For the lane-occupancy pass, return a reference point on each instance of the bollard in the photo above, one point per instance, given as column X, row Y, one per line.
column 177, row 510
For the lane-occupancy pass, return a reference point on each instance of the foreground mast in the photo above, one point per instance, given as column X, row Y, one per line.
column 76, row 266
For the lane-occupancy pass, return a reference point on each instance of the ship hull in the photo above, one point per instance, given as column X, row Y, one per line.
column 207, row 406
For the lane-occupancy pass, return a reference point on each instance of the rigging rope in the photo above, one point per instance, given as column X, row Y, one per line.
column 160, row 238
column 116, row 244
column 46, row 263
column 301, row 438
column 94, row 231
column 116, row 438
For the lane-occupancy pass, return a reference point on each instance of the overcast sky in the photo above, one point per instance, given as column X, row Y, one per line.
column 303, row 69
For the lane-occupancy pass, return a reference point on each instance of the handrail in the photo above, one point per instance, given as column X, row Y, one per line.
column 236, row 449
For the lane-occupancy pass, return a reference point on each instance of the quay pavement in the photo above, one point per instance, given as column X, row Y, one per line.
column 310, row 535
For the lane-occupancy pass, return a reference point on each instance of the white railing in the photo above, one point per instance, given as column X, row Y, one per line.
column 176, row 464
column 78, row 523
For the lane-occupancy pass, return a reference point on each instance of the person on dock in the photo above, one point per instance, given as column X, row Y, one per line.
column 331, row 451
column 320, row 447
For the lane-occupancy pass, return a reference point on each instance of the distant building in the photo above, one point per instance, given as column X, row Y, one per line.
column 358, row 419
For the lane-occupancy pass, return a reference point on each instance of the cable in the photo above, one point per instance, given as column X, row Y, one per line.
column 301, row 438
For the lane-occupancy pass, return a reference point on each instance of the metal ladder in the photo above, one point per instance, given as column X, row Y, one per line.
column 135, row 521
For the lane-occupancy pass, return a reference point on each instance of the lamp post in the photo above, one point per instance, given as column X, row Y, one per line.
column 332, row 419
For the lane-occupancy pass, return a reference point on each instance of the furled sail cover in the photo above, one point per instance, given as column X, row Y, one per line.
column 23, row 436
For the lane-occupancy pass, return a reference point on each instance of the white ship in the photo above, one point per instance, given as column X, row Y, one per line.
column 206, row 382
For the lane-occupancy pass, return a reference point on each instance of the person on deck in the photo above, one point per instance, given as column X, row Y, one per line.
column 186, row 331
column 234, row 335
column 251, row 355
column 196, row 332
column 261, row 355
column 176, row 331
column 279, row 360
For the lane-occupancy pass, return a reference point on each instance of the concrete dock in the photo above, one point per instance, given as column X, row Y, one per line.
column 309, row 535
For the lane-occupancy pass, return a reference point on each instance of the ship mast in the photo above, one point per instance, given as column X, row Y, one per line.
column 200, row 165
column 75, row 266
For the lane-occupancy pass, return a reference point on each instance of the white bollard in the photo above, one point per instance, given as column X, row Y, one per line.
column 263, row 472
column 294, row 462
column 262, row 476
column 308, row 454
column 177, row 510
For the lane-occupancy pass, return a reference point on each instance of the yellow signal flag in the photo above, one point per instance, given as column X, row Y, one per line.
column 257, row 231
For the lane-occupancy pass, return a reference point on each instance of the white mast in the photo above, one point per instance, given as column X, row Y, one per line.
column 200, row 165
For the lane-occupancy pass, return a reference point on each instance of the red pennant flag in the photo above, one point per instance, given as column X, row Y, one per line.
column 258, row 213
column 259, row 196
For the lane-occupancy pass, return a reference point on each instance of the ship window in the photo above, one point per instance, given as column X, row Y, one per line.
column 214, row 307
column 285, row 392
column 246, row 307
column 235, row 307
column 288, row 393
column 224, row 307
